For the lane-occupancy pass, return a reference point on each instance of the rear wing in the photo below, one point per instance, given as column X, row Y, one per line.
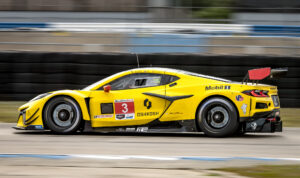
column 256, row 75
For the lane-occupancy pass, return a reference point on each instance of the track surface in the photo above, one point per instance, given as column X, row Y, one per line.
column 278, row 145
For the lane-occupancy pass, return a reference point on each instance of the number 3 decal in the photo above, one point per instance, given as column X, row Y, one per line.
column 125, row 108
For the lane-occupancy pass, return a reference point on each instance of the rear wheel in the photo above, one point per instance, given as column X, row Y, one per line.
column 62, row 115
column 217, row 117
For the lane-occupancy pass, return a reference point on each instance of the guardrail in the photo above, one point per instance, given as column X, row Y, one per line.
column 152, row 38
column 186, row 28
column 128, row 27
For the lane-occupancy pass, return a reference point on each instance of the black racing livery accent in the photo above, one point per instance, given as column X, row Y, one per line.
column 87, row 103
column 173, row 84
column 147, row 103
column 169, row 98
column 30, row 122
column 27, row 122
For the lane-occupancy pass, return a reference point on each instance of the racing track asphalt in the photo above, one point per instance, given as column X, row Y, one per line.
column 138, row 154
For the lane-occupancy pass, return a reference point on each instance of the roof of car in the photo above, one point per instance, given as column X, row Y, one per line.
column 161, row 69
column 180, row 72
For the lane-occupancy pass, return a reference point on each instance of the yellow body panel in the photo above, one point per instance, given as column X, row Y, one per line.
column 198, row 88
column 32, row 106
column 98, row 97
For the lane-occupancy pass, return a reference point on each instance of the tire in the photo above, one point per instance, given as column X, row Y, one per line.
column 62, row 115
column 217, row 117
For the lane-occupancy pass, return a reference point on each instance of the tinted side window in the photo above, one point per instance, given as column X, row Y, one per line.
column 138, row 80
column 169, row 79
column 122, row 83
column 147, row 80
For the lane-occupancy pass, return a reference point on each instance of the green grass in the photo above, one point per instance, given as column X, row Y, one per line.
column 213, row 174
column 262, row 171
column 9, row 110
column 9, row 113
column 290, row 117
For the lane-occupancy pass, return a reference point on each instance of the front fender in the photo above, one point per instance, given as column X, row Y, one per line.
column 79, row 96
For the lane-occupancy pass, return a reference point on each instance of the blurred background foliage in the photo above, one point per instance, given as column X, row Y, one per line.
column 213, row 9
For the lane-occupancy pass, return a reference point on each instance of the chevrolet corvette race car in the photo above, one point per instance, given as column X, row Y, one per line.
column 159, row 99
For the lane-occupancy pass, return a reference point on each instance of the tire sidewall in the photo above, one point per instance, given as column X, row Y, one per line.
column 48, row 112
column 232, row 124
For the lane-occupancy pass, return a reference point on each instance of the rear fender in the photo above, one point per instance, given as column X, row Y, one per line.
column 240, row 101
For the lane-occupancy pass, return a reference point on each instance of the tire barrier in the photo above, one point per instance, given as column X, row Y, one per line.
column 26, row 74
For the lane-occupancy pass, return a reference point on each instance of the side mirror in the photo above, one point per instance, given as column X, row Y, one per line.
column 107, row 88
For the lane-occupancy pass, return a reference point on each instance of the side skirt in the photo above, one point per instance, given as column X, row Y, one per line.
column 154, row 126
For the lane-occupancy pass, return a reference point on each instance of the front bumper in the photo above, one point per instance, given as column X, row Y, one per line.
column 30, row 127
column 266, row 122
column 30, row 117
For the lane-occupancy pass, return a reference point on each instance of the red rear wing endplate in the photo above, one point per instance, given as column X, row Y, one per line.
column 259, row 74
column 255, row 75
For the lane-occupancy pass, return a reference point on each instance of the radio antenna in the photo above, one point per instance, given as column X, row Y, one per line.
column 137, row 60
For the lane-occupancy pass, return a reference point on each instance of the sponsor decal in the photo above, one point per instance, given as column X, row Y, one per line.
column 120, row 116
column 244, row 108
column 130, row 129
column 103, row 116
column 38, row 127
column 239, row 98
column 147, row 103
column 129, row 116
column 124, row 109
column 143, row 114
column 133, row 129
column 221, row 87
column 142, row 129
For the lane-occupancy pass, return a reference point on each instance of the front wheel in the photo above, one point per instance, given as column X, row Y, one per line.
column 62, row 115
column 217, row 117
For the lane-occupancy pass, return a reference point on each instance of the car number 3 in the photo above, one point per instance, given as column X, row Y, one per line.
column 125, row 108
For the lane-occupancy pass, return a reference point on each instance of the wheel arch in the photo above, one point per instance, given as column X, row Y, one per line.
column 83, row 103
column 214, row 96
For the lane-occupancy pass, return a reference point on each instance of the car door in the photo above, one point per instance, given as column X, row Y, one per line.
column 126, row 103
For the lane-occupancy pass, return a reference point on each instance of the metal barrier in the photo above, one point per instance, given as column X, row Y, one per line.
column 150, row 43
column 151, row 38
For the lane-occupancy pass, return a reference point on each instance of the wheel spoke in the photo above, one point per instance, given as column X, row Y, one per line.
column 219, row 117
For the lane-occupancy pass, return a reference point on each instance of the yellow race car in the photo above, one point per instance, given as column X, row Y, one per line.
column 159, row 99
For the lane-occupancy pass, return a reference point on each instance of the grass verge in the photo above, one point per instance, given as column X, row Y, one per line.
column 262, row 171
column 9, row 113
column 290, row 117
column 9, row 110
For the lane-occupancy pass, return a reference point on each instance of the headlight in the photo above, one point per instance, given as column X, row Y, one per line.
column 40, row 96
